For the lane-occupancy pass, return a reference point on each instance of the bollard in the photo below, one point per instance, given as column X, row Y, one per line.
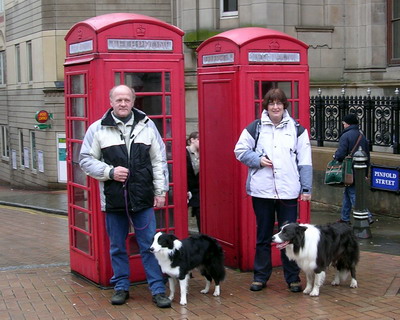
column 360, row 213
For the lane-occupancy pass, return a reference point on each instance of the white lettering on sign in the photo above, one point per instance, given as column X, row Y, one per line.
column 382, row 174
column 218, row 58
column 385, row 182
column 80, row 47
column 140, row 45
column 274, row 57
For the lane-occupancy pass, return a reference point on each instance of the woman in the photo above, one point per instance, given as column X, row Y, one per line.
column 193, row 163
column 280, row 171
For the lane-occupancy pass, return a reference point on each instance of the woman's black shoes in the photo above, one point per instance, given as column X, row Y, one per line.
column 257, row 286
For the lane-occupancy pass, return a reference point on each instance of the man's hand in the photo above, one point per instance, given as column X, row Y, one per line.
column 159, row 201
column 121, row 174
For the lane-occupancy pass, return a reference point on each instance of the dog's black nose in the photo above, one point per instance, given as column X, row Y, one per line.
column 151, row 249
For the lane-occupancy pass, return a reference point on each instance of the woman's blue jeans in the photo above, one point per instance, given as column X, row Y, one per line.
column 265, row 209
column 117, row 226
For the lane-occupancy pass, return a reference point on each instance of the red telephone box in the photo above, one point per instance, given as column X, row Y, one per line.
column 235, row 70
column 146, row 54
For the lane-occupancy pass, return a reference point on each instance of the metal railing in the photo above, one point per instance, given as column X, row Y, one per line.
column 378, row 118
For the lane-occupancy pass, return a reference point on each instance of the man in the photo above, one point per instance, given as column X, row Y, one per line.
column 125, row 152
column 347, row 142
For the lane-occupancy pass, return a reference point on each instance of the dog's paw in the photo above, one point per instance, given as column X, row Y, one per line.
column 216, row 291
column 353, row 283
column 204, row 291
column 183, row 302
column 335, row 282
column 171, row 297
column 314, row 293
column 307, row 290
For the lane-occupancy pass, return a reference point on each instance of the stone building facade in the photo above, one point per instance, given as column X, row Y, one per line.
column 353, row 45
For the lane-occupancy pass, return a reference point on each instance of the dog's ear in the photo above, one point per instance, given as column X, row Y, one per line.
column 171, row 240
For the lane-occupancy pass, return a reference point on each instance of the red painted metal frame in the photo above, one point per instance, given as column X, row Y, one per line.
column 99, row 65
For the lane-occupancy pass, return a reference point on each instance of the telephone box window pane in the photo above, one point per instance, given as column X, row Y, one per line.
column 78, row 130
column 265, row 87
column 82, row 241
column 296, row 90
column 78, row 107
column 79, row 176
column 151, row 105
column 82, row 220
column 80, row 197
column 133, row 246
column 286, row 87
column 159, row 124
column 76, row 149
column 295, row 112
column 168, row 105
column 171, row 218
column 168, row 147
column 258, row 109
column 170, row 172
column 171, row 196
column 117, row 78
column 257, row 89
column 160, row 219
column 167, row 82
column 169, row 128
column 144, row 81
column 78, row 84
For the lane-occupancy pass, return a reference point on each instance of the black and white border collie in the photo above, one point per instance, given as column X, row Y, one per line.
column 177, row 258
column 315, row 248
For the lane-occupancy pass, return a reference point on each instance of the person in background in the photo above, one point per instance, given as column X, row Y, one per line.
column 125, row 152
column 192, row 165
column 347, row 141
column 279, row 164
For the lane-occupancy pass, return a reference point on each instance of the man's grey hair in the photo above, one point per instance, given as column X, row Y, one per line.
column 123, row 85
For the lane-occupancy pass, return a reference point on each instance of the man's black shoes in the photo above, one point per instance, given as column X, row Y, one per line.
column 295, row 287
column 161, row 300
column 119, row 297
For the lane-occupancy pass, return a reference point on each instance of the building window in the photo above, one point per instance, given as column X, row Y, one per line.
column 29, row 60
column 393, row 32
column 18, row 62
column 1, row 5
column 21, row 149
column 33, row 151
column 229, row 8
column 2, row 67
column 5, row 146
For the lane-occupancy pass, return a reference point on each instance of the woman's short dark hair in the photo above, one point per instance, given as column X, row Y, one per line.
column 273, row 95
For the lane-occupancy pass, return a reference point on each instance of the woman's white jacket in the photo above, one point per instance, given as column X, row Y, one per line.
column 290, row 154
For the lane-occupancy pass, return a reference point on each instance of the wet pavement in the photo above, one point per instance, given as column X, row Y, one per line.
column 36, row 281
column 385, row 231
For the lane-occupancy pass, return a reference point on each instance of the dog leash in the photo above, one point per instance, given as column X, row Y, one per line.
column 124, row 186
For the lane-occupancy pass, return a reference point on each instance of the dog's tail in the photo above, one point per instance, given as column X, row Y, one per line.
column 216, row 260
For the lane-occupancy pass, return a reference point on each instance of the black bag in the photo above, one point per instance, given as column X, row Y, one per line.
column 340, row 173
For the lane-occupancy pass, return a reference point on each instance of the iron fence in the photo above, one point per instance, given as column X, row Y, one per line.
column 378, row 118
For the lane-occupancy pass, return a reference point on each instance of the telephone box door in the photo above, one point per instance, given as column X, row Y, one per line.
column 219, row 190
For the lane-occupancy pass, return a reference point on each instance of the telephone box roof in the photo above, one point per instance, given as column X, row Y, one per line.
column 241, row 36
column 106, row 21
